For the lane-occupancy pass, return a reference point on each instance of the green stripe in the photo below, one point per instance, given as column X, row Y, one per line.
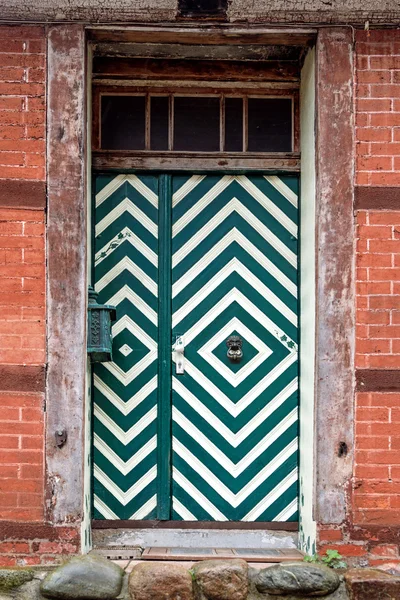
column 164, row 349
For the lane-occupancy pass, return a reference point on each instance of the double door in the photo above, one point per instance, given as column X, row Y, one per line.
column 196, row 418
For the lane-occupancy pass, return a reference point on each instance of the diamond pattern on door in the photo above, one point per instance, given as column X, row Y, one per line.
column 235, row 428
column 125, row 390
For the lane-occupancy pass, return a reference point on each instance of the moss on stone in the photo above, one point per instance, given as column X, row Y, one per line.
column 14, row 577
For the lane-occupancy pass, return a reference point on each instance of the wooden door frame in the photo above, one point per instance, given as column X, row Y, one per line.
column 67, row 287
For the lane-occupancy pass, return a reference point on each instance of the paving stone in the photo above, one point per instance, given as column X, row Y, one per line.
column 221, row 579
column 160, row 581
column 297, row 579
column 88, row 577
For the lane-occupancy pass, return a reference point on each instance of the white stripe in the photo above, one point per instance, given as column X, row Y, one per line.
column 271, row 497
column 216, row 484
column 266, row 203
column 125, row 467
column 143, row 189
column 287, row 512
column 104, row 509
column 234, row 295
column 234, row 266
column 126, row 235
column 234, row 205
column 126, row 206
column 118, row 181
column 282, row 189
column 235, row 469
column 187, row 188
column 182, row 511
column 247, row 399
column 194, row 493
column 232, row 438
column 126, row 293
column 201, row 204
column 125, row 437
column 125, row 497
column 109, row 189
column 130, row 266
column 234, row 235
column 125, row 407
column 147, row 507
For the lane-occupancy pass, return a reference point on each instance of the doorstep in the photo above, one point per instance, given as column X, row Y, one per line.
column 126, row 558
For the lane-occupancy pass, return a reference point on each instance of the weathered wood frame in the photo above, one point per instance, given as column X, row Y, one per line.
column 146, row 159
column 66, row 252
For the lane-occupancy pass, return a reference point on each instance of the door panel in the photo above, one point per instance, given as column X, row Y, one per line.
column 234, row 259
column 125, row 390
column 224, row 443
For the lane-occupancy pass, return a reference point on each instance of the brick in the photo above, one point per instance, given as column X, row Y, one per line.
column 371, row 134
column 389, row 149
column 372, row 443
column 372, row 414
column 348, row 549
column 14, row 548
column 372, row 472
column 384, row 361
column 374, row 346
column 374, row 232
column 375, row 163
column 373, row 318
column 374, row 260
column 371, row 501
column 386, row 550
column 380, row 302
column 384, row 217
column 379, row 457
column 378, row 399
column 375, row 428
column 388, row 331
column 385, row 91
column 375, row 76
column 372, row 105
column 371, row 288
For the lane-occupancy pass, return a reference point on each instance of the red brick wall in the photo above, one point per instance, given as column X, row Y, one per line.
column 22, row 276
column 374, row 497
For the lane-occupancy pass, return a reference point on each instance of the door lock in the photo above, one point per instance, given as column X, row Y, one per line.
column 179, row 348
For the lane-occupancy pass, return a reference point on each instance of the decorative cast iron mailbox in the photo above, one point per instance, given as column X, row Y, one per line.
column 100, row 319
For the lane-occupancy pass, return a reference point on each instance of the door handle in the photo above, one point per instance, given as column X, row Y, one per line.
column 179, row 348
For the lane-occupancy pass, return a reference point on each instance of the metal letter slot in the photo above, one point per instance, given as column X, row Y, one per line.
column 179, row 355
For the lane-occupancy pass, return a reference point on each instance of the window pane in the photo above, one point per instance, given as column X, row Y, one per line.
column 123, row 122
column 270, row 125
column 196, row 124
column 159, row 123
column 233, row 124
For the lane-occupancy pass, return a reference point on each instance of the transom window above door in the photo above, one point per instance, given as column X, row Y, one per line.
column 197, row 123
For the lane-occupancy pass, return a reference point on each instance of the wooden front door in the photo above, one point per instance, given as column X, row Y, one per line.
column 181, row 430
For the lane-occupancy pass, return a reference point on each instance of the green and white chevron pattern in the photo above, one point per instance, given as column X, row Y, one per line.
column 235, row 272
column 125, row 391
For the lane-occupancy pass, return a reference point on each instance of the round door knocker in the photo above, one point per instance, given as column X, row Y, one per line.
column 235, row 352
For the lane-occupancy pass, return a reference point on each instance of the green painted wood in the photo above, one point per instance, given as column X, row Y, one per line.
column 203, row 256
column 164, row 345
column 125, row 391
column 235, row 426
